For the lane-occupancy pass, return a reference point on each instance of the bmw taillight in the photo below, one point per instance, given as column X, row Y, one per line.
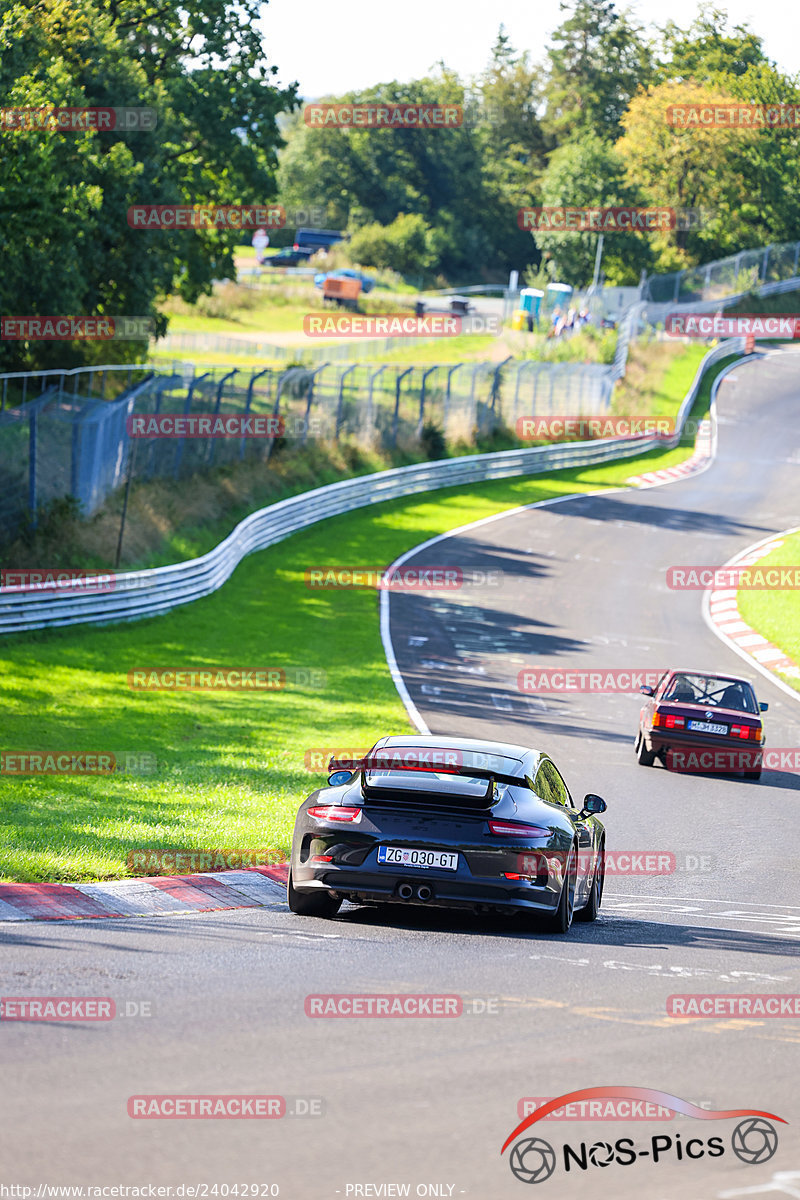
column 516, row 829
column 674, row 722
column 333, row 812
column 657, row 720
column 745, row 732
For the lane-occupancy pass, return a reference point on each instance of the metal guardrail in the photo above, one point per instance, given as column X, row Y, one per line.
column 139, row 594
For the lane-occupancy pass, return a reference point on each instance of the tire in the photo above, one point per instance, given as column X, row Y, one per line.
column 644, row 757
column 561, row 919
column 311, row 904
column 592, row 909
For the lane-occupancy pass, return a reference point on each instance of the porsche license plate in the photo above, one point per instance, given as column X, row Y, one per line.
column 707, row 727
column 400, row 856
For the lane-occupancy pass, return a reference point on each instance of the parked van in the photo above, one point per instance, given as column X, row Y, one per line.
column 316, row 239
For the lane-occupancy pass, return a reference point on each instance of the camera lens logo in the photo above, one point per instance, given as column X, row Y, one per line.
column 754, row 1140
column 601, row 1154
column 533, row 1160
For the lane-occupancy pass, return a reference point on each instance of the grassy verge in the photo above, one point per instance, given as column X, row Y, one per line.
column 230, row 765
column 776, row 615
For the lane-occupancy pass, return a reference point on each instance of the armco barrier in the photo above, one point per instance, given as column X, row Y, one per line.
column 147, row 593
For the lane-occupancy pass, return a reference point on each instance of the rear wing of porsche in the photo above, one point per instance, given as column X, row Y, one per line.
column 449, row 763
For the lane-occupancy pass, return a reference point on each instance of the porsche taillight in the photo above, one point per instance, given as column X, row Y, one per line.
column 516, row 829
column 333, row 812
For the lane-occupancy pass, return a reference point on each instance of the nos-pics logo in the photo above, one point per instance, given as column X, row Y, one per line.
column 533, row 1160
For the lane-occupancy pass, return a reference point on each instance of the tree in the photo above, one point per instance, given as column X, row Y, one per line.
column 68, row 248
column 597, row 61
column 707, row 51
column 591, row 173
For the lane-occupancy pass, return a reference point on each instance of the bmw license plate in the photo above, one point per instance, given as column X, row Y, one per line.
column 399, row 856
column 707, row 727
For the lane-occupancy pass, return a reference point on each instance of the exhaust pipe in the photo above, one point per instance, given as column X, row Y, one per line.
column 405, row 891
column 424, row 892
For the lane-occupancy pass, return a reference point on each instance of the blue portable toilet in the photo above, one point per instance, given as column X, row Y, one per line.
column 558, row 294
column 530, row 300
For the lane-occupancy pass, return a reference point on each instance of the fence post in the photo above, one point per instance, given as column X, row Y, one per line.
column 212, row 441
column 187, row 408
column 397, row 386
column 33, row 496
column 249, row 402
column 314, row 374
column 496, row 388
column 421, row 420
column 340, row 399
column 796, row 256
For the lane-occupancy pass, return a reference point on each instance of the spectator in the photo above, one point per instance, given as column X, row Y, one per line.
column 260, row 243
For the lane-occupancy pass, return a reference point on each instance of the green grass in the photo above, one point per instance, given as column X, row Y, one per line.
column 230, row 765
column 774, row 614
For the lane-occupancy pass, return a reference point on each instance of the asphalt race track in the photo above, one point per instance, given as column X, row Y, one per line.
column 428, row 1102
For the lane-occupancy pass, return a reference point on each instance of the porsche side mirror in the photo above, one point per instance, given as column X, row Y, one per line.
column 763, row 707
column 646, row 691
column 593, row 805
column 339, row 778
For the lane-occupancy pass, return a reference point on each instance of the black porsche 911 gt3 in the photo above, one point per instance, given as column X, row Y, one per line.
column 454, row 823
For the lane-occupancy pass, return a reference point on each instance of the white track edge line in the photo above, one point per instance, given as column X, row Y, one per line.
column 729, row 642
column 414, row 714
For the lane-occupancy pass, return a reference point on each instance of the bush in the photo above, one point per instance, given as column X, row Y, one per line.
column 403, row 246
column 433, row 443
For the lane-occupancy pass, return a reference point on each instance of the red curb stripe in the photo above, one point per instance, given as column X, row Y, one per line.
column 53, row 900
column 279, row 872
column 186, row 893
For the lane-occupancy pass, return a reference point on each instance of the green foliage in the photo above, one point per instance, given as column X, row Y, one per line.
column 598, row 60
column 403, row 246
column 590, row 172
column 433, row 441
column 64, row 196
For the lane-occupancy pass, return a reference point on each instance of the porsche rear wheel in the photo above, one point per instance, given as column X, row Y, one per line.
column 644, row 757
column 311, row 904
column 592, row 909
column 561, row 919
